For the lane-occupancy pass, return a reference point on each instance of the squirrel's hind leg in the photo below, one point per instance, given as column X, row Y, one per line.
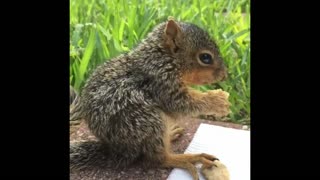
column 161, row 153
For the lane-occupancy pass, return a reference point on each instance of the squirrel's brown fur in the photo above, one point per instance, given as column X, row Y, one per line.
column 131, row 102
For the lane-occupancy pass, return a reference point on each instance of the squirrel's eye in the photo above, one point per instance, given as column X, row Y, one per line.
column 206, row 58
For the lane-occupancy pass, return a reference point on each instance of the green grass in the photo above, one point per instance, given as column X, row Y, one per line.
column 102, row 29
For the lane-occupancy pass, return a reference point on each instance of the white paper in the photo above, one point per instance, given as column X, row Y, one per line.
column 231, row 146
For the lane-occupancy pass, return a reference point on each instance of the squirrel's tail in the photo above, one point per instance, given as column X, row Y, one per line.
column 83, row 154
column 97, row 155
column 88, row 154
column 76, row 115
column 75, row 105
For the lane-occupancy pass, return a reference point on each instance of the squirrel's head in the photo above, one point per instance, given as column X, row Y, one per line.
column 197, row 53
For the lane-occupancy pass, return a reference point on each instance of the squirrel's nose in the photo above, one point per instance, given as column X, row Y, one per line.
column 225, row 73
column 225, row 76
column 221, row 72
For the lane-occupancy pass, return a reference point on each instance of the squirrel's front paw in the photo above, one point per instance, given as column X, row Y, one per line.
column 216, row 172
column 219, row 103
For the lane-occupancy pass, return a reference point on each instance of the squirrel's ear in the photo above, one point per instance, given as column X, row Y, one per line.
column 172, row 29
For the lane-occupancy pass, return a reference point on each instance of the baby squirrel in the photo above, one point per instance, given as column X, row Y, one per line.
column 131, row 102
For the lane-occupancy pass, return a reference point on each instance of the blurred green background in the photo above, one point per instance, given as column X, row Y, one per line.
column 102, row 29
